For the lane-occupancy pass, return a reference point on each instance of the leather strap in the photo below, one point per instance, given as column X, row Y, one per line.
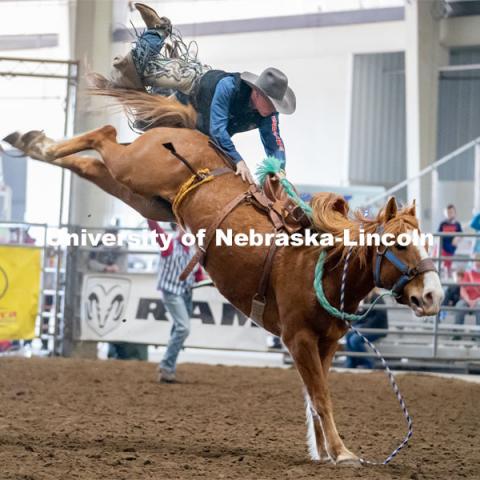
column 268, row 206
column 170, row 147
column 199, row 257
column 267, row 267
column 223, row 153
column 259, row 300
column 426, row 265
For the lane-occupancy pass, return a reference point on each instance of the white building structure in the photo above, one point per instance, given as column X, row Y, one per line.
column 377, row 100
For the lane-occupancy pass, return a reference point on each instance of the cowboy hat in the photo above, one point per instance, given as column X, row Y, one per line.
column 273, row 84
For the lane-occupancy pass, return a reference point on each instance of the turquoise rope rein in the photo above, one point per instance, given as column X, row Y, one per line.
column 272, row 165
column 322, row 299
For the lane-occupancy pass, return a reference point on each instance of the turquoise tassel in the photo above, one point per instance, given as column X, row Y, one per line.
column 270, row 166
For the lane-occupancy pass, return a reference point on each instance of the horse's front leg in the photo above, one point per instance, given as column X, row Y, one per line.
column 315, row 437
column 303, row 346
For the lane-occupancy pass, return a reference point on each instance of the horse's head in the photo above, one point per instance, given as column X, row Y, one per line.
column 406, row 269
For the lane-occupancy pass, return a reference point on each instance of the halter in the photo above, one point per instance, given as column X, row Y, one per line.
column 408, row 274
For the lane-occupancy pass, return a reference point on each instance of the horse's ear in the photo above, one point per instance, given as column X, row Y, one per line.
column 412, row 210
column 390, row 209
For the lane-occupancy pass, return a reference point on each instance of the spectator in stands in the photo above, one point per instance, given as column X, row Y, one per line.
column 107, row 259
column 475, row 224
column 111, row 259
column 375, row 319
column 452, row 294
column 469, row 295
column 448, row 243
column 177, row 296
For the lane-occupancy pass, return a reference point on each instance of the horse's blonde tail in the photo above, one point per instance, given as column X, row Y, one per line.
column 153, row 110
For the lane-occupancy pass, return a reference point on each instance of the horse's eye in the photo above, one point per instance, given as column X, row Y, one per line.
column 400, row 247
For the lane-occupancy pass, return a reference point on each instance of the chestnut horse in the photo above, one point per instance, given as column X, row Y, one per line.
column 147, row 176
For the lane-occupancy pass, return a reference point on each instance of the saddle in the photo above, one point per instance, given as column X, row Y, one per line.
column 272, row 199
column 283, row 212
column 292, row 216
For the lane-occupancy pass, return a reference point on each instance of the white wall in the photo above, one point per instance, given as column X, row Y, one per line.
column 318, row 62
column 35, row 103
column 460, row 31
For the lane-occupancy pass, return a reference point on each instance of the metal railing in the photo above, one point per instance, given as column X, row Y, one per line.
column 430, row 341
column 436, row 341
column 433, row 170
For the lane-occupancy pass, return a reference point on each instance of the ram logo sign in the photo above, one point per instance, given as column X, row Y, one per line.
column 105, row 300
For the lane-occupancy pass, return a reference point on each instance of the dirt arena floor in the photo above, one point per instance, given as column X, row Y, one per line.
column 71, row 419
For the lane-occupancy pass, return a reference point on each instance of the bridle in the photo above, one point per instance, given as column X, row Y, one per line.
column 408, row 273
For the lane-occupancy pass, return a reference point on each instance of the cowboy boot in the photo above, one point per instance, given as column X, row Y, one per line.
column 152, row 20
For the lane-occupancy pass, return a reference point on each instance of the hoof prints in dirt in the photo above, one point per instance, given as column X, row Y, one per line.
column 63, row 418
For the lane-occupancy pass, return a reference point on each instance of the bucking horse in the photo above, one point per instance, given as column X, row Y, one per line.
column 170, row 160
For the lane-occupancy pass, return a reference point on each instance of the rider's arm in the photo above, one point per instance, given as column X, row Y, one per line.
column 270, row 135
column 219, row 114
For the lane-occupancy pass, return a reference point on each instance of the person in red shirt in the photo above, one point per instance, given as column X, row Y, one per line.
column 176, row 294
column 470, row 295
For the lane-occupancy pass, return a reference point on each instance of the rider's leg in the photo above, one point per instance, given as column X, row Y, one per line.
column 150, row 16
column 158, row 70
column 147, row 47
column 175, row 74
column 162, row 71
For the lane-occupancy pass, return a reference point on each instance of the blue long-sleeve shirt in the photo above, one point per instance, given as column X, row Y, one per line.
column 219, row 117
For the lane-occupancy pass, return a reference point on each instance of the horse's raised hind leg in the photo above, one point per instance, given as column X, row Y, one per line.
column 96, row 172
column 37, row 145
column 303, row 346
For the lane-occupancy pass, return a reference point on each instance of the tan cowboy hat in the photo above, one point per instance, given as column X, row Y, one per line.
column 273, row 84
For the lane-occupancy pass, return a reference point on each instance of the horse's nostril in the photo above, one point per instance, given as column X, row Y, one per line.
column 428, row 298
column 415, row 301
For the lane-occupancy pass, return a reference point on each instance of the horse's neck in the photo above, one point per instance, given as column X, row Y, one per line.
column 359, row 280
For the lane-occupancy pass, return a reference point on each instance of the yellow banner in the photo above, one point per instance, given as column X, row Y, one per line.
column 19, row 292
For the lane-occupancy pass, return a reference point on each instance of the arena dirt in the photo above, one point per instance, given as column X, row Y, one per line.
column 95, row 420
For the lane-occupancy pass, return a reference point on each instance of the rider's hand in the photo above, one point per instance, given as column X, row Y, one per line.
column 244, row 172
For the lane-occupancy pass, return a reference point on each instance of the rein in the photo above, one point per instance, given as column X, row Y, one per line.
column 347, row 318
column 408, row 274
column 271, row 167
column 252, row 196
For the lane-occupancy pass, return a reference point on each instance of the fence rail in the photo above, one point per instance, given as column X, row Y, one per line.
column 409, row 339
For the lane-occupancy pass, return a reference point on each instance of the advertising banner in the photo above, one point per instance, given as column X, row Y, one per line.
column 127, row 307
column 19, row 291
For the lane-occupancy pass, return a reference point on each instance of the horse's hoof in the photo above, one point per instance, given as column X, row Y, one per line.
column 37, row 145
column 31, row 137
column 348, row 460
column 323, row 460
column 13, row 139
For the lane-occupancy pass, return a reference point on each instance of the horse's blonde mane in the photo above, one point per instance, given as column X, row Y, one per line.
column 332, row 214
column 153, row 110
